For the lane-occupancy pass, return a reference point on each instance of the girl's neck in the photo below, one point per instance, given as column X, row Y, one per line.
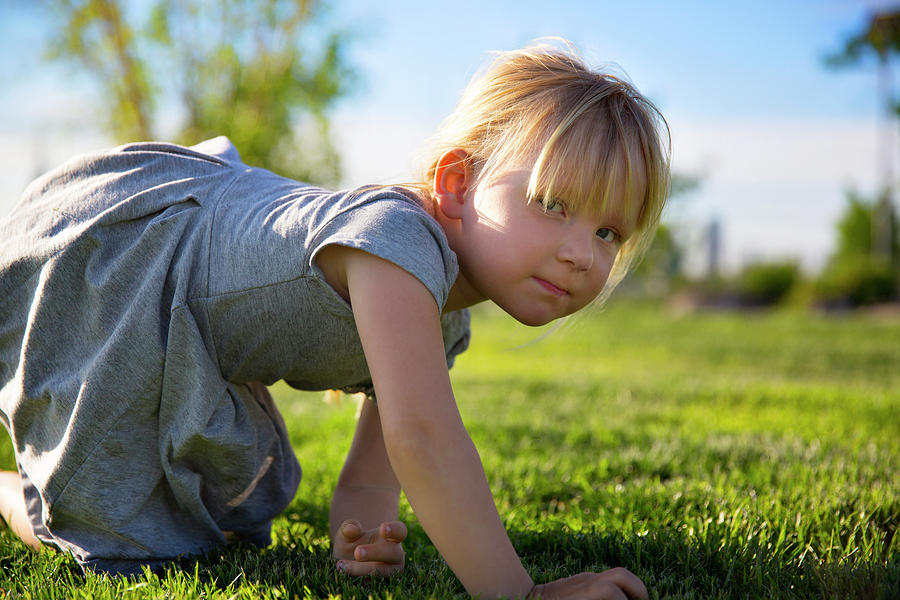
column 462, row 295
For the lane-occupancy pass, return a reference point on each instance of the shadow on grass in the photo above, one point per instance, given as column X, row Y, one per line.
column 672, row 563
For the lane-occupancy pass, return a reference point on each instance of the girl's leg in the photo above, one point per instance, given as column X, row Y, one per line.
column 12, row 508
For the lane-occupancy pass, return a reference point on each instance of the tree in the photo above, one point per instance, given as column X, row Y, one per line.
column 661, row 266
column 857, row 227
column 262, row 72
column 856, row 274
column 881, row 38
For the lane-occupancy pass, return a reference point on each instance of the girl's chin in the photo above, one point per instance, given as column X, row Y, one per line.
column 533, row 320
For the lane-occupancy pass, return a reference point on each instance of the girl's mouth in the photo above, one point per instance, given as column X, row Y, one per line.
column 558, row 291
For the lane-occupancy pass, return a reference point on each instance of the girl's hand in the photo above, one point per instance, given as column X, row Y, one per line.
column 373, row 552
column 615, row 584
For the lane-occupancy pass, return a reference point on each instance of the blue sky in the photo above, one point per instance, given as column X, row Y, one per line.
column 775, row 137
column 708, row 58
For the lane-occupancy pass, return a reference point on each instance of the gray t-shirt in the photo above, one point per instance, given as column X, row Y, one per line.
column 143, row 291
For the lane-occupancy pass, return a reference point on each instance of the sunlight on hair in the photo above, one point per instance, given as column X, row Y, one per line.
column 586, row 135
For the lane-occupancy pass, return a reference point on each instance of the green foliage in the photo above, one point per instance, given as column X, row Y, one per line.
column 765, row 284
column 660, row 266
column 855, row 228
column 856, row 281
column 716, row 455
column 857, row 273
column 881, row 38
column 263, row 72
column 681, row 184
column 859, row 222
column 96, row 34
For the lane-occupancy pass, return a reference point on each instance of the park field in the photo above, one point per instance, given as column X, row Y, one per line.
column 714, row 454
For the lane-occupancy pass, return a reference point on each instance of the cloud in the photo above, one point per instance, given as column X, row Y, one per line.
column 26, row 154
column 841, row 152
column 378, row 147
column 777, row 186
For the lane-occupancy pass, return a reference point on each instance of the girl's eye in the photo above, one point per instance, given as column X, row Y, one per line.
column 553, row 206
column 608, row 235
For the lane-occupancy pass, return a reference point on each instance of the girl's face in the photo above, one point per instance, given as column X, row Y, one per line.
column 536, row 260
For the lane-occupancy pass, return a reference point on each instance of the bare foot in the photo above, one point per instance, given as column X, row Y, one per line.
column 12, row 509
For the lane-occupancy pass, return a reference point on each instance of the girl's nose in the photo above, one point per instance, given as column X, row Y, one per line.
column 577, row 248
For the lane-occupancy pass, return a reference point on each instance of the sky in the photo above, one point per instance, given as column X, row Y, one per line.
column 774, row 137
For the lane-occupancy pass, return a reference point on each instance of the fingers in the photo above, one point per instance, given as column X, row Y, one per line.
column 383, row 552
column 393, row 531
column 614, row 584
column 386, row 548
column 627, row 581
column 362, row 569
column 351, row 530
column 376, row 551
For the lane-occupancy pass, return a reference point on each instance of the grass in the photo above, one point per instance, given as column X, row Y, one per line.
column 716, row 455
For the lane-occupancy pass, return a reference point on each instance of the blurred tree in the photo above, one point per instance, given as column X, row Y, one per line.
column 241, row 68
column 854, row 229
column 856, row 274
column 661, row 267
column 682, row 184
column 880, row 38
column 766, row 283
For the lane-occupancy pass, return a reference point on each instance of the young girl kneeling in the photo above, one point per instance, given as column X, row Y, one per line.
column 148, row 295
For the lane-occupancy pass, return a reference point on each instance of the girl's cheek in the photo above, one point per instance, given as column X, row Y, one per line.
column 603, row 277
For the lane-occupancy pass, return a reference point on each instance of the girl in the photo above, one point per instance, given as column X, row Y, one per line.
column 150, row 293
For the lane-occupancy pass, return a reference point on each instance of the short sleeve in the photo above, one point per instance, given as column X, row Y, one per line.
column 399, row 231
column 396, row 228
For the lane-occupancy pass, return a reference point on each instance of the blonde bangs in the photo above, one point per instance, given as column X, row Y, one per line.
column 585, row 135
column 582, row 164
column 603, row 145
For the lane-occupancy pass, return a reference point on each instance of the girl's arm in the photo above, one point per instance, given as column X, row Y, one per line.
column 366, row 536
column 367, row 489
column 428, row 447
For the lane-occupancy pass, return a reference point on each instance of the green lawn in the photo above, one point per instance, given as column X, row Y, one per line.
column 716, row 455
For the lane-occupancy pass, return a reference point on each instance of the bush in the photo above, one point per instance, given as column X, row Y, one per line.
column 765, row 284
column 856, row 281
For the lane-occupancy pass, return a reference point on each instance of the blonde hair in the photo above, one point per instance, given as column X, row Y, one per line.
column 581, row 130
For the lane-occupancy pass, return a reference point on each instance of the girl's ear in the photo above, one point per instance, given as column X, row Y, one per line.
column 452, row 179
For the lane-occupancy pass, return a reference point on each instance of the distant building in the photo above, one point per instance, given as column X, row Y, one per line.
column 713, row 248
